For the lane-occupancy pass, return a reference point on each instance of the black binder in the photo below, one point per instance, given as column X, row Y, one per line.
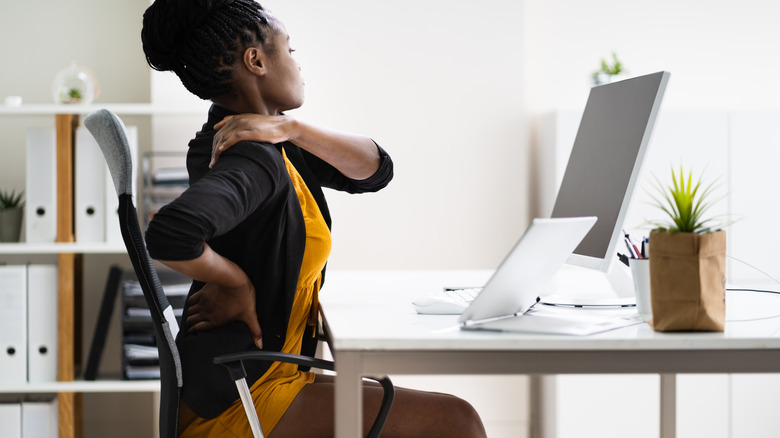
column 103, row 322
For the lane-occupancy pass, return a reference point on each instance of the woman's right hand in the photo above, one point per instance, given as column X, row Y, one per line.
column 215, row 305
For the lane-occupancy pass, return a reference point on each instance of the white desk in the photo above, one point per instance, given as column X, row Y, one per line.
column 375, row 331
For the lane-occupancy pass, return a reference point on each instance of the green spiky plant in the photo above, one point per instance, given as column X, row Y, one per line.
column 613, row 70
column 74, row 94
column 9, row 200
column 685, row 202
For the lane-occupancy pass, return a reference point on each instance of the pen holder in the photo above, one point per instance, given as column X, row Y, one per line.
column 640, row 272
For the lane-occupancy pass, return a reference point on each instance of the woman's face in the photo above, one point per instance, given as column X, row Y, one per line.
column 284, row 83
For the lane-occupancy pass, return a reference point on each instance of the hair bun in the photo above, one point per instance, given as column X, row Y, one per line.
column 166, row 24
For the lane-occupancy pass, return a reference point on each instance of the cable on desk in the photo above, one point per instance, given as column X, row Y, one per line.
column 755, row 268
column 748, row 289
column 743, row 289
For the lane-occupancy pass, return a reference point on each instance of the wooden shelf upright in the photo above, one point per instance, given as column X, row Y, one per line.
column 65, row 131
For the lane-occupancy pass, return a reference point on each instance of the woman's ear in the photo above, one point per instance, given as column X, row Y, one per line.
column 255, row 61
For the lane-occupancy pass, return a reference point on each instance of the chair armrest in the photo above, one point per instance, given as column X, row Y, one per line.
column 275, row 356
column 235, row 366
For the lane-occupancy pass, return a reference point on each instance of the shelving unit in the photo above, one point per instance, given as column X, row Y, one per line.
column 69, row 258
column 162, row 181
column 59, row 248
column 82, row 386
column 140, row 360
column 75, row 110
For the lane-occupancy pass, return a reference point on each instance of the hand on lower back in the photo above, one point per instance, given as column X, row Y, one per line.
column 215, row 305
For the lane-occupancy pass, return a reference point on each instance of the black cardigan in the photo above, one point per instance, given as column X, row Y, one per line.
column 247, row 210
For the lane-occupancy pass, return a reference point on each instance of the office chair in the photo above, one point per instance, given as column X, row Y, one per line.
column 109, row 132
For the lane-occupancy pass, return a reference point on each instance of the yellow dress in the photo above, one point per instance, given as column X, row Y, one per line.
column 277, row 388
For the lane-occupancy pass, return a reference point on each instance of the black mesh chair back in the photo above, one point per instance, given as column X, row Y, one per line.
column 109, row 131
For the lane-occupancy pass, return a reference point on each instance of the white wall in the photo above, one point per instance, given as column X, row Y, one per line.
column 723, row 59
column 722, row 53
column 439, row 85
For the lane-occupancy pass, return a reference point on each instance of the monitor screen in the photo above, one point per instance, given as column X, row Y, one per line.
column 605, row 162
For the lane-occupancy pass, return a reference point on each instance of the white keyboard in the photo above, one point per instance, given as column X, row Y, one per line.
column 467, row 294
column 450, row 301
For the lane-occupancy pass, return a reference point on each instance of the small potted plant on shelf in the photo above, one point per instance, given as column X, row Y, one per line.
column 73, row 95
column 687, row 258
column 75, row 84
column 608, row 72
column 11, row 211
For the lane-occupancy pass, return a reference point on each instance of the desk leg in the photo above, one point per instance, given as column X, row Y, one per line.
column 348, row 395
column 668, row 405
column 542, row 399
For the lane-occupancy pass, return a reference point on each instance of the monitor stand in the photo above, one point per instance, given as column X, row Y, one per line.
column 575, row 286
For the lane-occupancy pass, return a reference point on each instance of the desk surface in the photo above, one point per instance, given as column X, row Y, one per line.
column 375, row 331
column 371, row 310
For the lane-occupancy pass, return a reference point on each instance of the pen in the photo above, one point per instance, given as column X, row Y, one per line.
column 639, row 255
column 632, row 248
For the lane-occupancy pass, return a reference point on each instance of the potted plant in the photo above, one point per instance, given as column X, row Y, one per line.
column 75, row 84
column 687, row 259
column 11, row 210
column 73, row 95
column 608, row 72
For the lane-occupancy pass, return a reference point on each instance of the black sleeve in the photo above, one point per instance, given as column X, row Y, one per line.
column 237, row 185
column 330, row 177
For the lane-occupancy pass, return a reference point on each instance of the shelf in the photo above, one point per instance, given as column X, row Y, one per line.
column 62, row 248
column 66, row 120
column 118, row 108
column 82, row 386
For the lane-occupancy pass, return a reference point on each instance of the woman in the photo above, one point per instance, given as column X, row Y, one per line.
column 252, row 229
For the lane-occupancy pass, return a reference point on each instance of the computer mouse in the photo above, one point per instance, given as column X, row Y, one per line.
column 439, row 305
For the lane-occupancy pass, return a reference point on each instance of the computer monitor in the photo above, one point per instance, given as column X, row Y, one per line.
column 605, row 162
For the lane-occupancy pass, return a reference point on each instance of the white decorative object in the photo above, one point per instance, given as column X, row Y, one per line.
column 75, row 84
column 13, row 100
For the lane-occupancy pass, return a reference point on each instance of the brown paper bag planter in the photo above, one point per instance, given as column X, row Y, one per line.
column 688, row 281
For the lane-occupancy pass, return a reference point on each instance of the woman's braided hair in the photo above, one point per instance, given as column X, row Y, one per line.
column 200, row 39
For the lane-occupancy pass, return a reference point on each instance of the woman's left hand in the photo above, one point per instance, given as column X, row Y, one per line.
column 248, row 127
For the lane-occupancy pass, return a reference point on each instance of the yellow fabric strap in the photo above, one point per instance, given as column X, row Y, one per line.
column 314, row 311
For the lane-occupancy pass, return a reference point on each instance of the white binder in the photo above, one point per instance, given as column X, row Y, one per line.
column 41, row 189
column 11, row 420
column 89, row 175
column 39, row 419
column 41, row 323
column 13, row 324
column 113, row 233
